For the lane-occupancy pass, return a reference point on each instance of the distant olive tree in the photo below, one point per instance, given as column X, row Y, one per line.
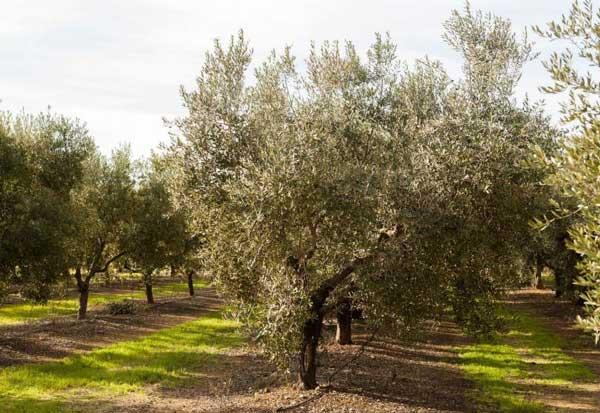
column 157, row 233
column 187, row 258
column 393, row 182
column 42, row 159
column 575, row 167
column 104, row 204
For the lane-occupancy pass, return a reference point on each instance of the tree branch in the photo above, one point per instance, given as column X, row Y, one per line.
column 113, row 259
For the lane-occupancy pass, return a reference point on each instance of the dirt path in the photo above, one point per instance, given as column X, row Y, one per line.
column 390, row 376
column 558, row 317
column 59, row 337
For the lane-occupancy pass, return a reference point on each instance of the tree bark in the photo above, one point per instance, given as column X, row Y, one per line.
column 190, row 281
column 149, row 292
column 308, row 355
column 83, row 286
column 343, row 333
column 312, row 328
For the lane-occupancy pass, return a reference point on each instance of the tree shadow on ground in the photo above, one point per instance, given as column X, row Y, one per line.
column 390, row 376
column 57, row 338
column 170, row 357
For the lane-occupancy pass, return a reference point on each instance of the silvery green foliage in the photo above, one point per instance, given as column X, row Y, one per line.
column 157, row 232
column 580, row 29
column 414, row 181
column 575, row 166
column 493, row 56
column 42, row 159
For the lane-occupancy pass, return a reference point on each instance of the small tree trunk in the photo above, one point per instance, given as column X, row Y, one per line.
column 308, row 355
column 190, row 281
column 173, row 271
column 343, row 333
column 149, row 292
column 539, row 269
column 84, row 295
column 559, row 282
column 83, row 286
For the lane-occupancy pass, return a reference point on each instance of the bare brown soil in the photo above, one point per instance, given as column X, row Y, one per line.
column 390, row 376
column 54, row 338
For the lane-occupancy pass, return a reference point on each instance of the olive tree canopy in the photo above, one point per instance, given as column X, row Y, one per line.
column 360, row 170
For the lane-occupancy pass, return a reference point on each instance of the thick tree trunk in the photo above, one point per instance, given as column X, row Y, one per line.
column 190, row 281
column 308, row 355
column 312, row 327
column 83, row 286
column 343, row 333
column 84, row 295
column 149, row 292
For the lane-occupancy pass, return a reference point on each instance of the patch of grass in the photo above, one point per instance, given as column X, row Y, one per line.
column 513, row 366
column 169, row 357
column 22, row 312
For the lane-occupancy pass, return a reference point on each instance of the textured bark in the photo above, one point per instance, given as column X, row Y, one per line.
column 190, row 281
column 83, row 286
column 343, row 333
column 84, row 295
column 308, row 355
column 312, row 328
column 149, row 292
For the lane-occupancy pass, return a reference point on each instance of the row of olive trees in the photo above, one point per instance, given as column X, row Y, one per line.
column 362, row 180
column 68, row 211
column 574, row 169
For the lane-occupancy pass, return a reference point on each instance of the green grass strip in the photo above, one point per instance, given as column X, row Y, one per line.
column 173, row 356
column 22, row 312
column 510, row 369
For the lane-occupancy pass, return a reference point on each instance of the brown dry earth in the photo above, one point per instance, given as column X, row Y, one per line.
column 55, row 338
column 389, row 376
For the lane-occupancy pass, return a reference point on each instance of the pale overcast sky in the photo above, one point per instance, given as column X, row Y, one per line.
column 117, row 65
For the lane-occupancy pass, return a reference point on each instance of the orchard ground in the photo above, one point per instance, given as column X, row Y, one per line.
column 184, row 355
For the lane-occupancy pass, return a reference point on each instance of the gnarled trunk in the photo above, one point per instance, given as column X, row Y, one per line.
column 308, row 354
column 343, row 333
column 149, row 292
column 83, row 286
column 190, row 281
column 312, row 328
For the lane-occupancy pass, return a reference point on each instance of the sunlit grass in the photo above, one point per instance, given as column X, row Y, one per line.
column 170, row 357
column 511, row 367
column 22, row 312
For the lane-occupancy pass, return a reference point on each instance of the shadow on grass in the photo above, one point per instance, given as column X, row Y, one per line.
column 26, row 311
column 524, row 370
column 167, row 357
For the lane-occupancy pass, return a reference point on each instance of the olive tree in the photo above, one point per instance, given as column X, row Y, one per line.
column 360, row 176
column 41, row 164
column 103, row 210
column 157, row 233
column 575, row 167
column 186, row 258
